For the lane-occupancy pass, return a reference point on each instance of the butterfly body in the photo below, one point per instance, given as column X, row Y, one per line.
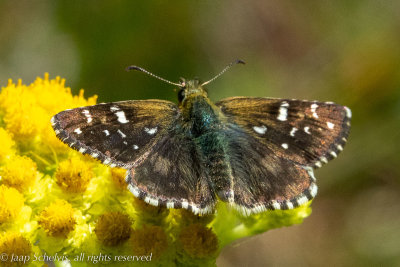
column 254, row 153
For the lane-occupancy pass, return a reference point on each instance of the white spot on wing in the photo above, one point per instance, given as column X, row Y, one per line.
column 170, row 205
column 283, row 111
column 150, row 131
column 134, row 190
column 53, row 121
column 313, row 110
column 276, row 205
column 302, row 200
column 121, row 117
column 292, row 132
column 151, row 201
column 195, row 209
column 333, row 153
column 82, row 149
column 260, row 130
column 121, row 133
column 348, row 112
column 87, row 115
column 114, row 108
column 185, row 204
column 78, row 130
column 330, row 125
column 106, row 132
column 313, row 189
column 135, row 147
column 339, row 147
column 307, row 130
column 285, row 146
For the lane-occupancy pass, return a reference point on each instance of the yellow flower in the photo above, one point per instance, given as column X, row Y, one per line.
column 14, row 245
column 19, row 172
column 74, row 174
column 58, row 219
column 199, row 241
column 7, row 145
column 149, row 240
column 11, row 203
column 113, row 228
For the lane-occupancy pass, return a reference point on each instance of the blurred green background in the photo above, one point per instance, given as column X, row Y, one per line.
column 342, row 51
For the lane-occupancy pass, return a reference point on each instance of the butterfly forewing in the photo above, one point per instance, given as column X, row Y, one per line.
column 119, row 133
column 306, row 132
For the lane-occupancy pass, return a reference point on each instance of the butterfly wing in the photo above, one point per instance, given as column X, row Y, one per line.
column 306, row 132
column 120, row 133
column 143, row 137
column 261, row 179
column 273, row 146
column 174, row 175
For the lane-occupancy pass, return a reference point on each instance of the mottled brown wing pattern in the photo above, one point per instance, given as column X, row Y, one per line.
column 273, row 146
column 120, row 133
column 174, row 175
column 307, row 132
column 262, row 180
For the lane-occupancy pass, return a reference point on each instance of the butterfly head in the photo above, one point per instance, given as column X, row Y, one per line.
column 189, row 89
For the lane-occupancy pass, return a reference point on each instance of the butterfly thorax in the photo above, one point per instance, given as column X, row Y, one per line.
column 198, row 112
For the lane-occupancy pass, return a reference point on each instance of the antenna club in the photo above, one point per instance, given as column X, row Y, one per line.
column 132, row 67
column 237, row 61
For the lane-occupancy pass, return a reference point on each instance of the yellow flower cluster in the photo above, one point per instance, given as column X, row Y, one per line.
column 27, row 109
column 56, row 201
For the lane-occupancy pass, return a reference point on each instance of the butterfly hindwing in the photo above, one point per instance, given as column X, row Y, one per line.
column 119, row 133
column 261, row 179
column 306, row 132
column 173, row 175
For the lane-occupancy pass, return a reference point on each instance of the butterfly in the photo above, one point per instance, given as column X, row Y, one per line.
column 254, row 153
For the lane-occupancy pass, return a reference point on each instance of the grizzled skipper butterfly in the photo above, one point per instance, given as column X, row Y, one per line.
column 254, row 153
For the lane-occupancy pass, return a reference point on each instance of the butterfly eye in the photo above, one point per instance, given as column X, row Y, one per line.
column 181, row 95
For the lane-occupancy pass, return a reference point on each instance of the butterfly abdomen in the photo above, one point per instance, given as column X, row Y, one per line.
column 207, row 132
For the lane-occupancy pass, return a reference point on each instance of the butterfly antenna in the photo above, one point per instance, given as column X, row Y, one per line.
column 151, row 74
column 237, row 61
